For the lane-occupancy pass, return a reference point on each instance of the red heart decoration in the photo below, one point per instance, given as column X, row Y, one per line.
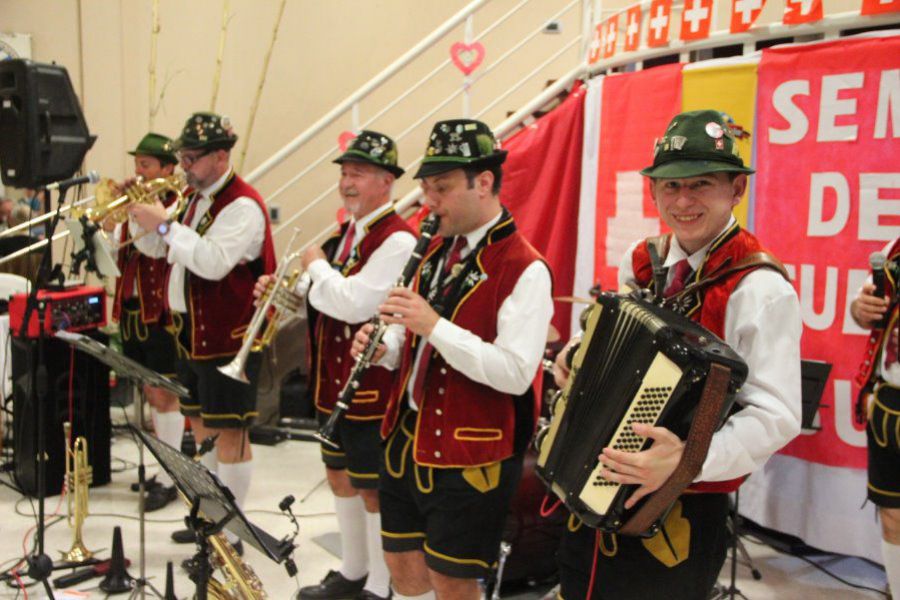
column 344, row 140
column 467, row 57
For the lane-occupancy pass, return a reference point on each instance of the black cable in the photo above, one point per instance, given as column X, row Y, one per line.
column 817, row 565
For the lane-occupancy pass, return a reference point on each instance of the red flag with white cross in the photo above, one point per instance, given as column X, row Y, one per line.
column 744, row 14
column 658, row 24
column 611, row 35
column 633, row 28
column 696, row 17
column 802, row 11
column 595, row 51
column 878, row 7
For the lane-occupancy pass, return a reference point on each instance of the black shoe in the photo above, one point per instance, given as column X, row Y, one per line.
column 333, row 587
column 149, row 484
column 159, row 497
column 183, row 536
column 367, row 595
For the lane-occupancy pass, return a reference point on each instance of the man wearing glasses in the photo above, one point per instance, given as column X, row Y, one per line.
column 216, row 250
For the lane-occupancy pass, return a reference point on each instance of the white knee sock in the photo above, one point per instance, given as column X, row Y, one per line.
column 351, row 517
column 169, row 429
column 891, row 554
column 379, row 580
column 236, row 476
column 429, row 595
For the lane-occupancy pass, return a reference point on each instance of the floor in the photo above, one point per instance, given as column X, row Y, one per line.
column 294, row 468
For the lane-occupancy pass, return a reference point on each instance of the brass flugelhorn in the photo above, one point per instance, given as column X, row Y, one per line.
column 79, row 476
column 279, row 296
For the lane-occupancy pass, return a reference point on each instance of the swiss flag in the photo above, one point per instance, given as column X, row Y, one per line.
column 596, row 48
column 695, row 19
column 877, row 7
column 802, row 11
column 611, row 35
column 658, row 24
column 633, row 28
column 744, row 14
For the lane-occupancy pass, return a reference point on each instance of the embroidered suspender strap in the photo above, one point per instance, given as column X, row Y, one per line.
column 752, row 261
column 706, row 420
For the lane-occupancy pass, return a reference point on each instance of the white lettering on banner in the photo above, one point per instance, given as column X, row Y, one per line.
column 782, row 101
column 872, row 206
column 888, row 102
column 855, row 279
column 791, row 271
column 831, row 107
column 843, row 415
column 629, row 224
column 817, row 225
column 823, row 320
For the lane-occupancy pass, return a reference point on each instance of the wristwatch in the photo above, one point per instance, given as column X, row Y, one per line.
column 164, row 227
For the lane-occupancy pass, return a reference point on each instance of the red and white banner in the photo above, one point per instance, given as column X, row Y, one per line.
column 633, row 28
column 636, row 109
column 541, row 182
column 695, row 19
column 610, row 36
column 878, row 7
column 827, row 195
column 659, row 19
column 802, row 11
column 744, row 14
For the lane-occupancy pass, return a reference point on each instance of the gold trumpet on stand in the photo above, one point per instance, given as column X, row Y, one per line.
column 79, row 476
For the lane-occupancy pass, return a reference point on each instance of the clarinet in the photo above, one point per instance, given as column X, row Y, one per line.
column 327, row 433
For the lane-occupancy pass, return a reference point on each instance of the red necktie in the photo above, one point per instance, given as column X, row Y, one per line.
column 348, row 244
column 189, row 216
column 419, row 384
column 681, row 269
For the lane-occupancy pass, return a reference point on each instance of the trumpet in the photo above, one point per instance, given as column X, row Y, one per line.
column 326, row 434
column 280, row 295
column 79, row 475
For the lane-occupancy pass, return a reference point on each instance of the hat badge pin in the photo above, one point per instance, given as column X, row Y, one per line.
column 678, row 142
column 714, row 130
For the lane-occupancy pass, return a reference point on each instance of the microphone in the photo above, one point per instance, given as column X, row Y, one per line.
column 876, row 261
column 91, row 177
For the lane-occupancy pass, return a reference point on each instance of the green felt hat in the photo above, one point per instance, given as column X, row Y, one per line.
column 696, row 143
column 373, row 148
column 156, row 145
column 207, row 131
column 460, row 143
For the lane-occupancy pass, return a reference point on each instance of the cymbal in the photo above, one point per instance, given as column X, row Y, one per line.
column 553, row 335
column 573, row 300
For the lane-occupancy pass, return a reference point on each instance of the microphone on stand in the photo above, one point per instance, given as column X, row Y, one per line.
column 91, row 177
column 876, row 261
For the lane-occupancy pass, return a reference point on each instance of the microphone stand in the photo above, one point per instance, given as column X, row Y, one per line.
column 39, row 564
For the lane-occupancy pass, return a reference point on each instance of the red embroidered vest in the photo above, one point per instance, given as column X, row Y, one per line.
column 147, row 273
column 730, row 248
column 865, row 378
column 330, row 339
column 221, row 310
column 461, row 423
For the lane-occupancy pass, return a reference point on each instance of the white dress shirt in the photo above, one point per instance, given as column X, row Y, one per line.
column 763, row 325
column 507, row 363
column 236, row 235
column 356, row 298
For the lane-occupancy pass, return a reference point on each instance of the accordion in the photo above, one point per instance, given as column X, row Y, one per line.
column 637, row 363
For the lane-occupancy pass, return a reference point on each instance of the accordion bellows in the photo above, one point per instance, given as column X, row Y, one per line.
column 637, row 363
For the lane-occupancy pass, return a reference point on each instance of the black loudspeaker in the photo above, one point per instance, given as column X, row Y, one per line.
column 43, row 136
column 88, row 380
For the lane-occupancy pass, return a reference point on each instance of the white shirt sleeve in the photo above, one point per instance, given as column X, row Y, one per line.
column 393, row 340
column 236, row 234
column 763, row 325
column 147, row 242
column 509, row 362
column 356, row 298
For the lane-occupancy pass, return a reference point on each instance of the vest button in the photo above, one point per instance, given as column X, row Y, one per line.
column 438, row 412
column 437, row 453
column 338, row 359
column 443, row 371
column 337, row 382
column 440, row 390
column 437, row 432
column 337, row 338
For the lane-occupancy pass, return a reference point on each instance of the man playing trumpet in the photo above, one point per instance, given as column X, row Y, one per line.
column 216, row 250
column 350, row 276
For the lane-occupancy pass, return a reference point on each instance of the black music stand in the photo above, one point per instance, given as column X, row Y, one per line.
column 137, row 375
column 212, row 509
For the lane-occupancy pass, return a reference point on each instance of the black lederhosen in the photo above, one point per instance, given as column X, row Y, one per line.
column 630, row 567
column 455, row 516
column 883, row 437
column 147, row 343
column 358, row 452
column 222, row 402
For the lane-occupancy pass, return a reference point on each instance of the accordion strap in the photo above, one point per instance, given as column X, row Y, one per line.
column 751, row 261
column 706, row 420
